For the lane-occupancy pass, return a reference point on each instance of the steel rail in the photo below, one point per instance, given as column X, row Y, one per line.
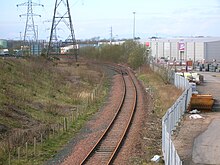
column 112, row 154
column 129, row 122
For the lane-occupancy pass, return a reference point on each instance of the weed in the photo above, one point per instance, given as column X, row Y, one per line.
column 35, row 98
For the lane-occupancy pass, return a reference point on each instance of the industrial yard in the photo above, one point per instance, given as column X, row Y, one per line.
column 190, row 149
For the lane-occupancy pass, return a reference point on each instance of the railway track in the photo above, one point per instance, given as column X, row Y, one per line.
column 107, row 147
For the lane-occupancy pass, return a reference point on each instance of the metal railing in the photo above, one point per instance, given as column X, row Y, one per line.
column 171, row 119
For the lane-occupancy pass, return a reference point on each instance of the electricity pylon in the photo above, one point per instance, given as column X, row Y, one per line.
column 30, row 29
column 66, row 19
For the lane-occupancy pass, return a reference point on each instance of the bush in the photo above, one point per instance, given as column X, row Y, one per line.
column 130, row 52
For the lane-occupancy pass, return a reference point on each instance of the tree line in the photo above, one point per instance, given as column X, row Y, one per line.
column 130, row 52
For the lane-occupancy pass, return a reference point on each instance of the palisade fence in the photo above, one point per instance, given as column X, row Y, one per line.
column 173, row 116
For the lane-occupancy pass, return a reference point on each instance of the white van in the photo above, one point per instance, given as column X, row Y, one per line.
column 4, row 52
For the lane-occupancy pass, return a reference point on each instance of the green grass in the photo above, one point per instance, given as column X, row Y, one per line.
column 10, row 122
column 34, row 92
column 28, row 81
column 50, row 147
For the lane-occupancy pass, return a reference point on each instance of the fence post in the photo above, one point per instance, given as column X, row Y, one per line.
column 87, row 99
column 48, row 133
column 72, row 116
column 66, row 121
column 69, row 120
column 59, row 129
column 92, row 96
column 26, row 150
column 9, row 153
column 41, row 139
column 64, row 124
column 186, row 104
column 77, row 112
column 19, row 153
column 9, row 158
column 34, row 146
column 53, row 128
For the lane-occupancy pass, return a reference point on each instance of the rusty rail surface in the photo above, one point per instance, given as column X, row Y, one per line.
column 107, row 147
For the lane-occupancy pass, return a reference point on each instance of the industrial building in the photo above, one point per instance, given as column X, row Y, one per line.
column 197, row 49
column 3, row 44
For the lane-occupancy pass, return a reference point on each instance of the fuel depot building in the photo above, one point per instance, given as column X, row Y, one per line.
column 198, row 49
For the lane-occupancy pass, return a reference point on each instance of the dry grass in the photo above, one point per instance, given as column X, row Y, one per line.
column 33, row 86
column 36, row 93
column 163, row 96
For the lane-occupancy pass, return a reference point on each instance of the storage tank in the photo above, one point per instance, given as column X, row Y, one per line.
column 3, row 44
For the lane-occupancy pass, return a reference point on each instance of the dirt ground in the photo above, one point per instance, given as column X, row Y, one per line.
column 189, row 129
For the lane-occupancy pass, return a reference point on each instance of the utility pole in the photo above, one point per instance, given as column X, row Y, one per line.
column 111, row 35
column 21, row 48
column 20, row 37
column 57, row 19
column 30, row 30
column 134, row 26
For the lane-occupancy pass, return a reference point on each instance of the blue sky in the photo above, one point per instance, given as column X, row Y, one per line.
column 93, row 18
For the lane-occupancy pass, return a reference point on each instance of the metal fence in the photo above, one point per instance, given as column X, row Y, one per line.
column 174, row 114
column 172, row 118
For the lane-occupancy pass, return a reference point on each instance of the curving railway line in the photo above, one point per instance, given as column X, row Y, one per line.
column 113, row 134
column 108, row 145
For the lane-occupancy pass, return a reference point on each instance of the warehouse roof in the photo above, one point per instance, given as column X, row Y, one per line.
column 182, row 39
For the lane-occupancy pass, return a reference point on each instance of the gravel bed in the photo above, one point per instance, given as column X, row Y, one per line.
column 132, row 150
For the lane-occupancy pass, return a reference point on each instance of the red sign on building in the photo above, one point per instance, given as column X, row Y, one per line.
column 181, row 46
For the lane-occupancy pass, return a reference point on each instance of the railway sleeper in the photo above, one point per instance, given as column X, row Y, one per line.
column 103, row 155
column 106, row 149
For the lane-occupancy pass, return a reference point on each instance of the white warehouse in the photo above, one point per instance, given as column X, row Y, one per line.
column 183, row 49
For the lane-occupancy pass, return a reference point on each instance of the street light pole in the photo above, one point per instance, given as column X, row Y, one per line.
column 37, row 32
column 20, row 37
column 20, row 40
column 134, row 26
column 111, row 35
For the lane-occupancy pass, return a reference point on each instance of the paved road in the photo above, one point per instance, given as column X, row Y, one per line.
column 211, row 84
column 206, row 148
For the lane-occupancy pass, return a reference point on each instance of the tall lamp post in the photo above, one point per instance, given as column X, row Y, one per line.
column 134, row 26
column 36, row 32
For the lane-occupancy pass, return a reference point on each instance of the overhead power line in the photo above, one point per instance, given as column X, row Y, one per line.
column 31, row 32
column 54, row 46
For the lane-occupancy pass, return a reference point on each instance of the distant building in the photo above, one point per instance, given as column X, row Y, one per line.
column 66, row 49
column 3, row 44
column 183, row 49
column 111, row 43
